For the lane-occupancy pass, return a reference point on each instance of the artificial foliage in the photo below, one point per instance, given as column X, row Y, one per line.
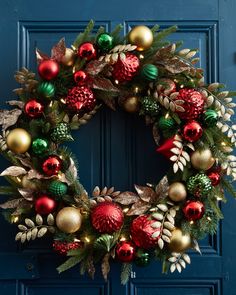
column 143, row 74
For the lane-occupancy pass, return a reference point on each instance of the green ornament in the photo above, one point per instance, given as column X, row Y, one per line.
column 61, row 133
column 142, row 259
column 149, row 72
column 149, row 107
column 166, row 123
column 40, row 146
column 210, row 117
column 199, row 185
column 105, row 42
column 57, row 188
column 46, row 89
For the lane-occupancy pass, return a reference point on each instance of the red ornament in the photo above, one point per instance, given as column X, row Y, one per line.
column 80, row 77
column 125, row 70
column 165, row 148
column 193, row 210
column 52, row 165
column 166, row 86
column 142, row 231
column 214, row 177
column 44, row 205
column 80, row 98
column 192, row 131
column 193, row 103
column 125, row 251
column 48, row 69
column 33, row 108
column 87, row 51
column 107, row 217
column 63, row 247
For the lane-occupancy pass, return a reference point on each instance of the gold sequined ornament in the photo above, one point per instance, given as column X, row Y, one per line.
column 69, row 58
column 202, row 159
column 142, row 37
column 177, row 192
column 179, row 242
column 18, row 140
column 69, row 220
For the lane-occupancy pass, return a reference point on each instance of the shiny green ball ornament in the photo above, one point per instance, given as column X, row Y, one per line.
column 166, row 123
column 105, row 42
column 142, row 259
column 57, row 188
column 149, row 72
column 199, row 185
column 210, row 118
column 40, row 146
column 46, row 89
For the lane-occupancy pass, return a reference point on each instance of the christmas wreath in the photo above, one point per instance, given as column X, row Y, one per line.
column 144, row 74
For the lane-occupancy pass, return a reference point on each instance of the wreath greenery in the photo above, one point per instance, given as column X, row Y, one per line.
column 144, row 74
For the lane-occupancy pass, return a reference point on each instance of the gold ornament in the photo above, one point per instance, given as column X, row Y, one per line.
column 69, row 220
column 202, row 160
column 177, row 192
column 179, row 242
column 69, row 58
column 131, row 104
column 142, row 37
column 18, row 140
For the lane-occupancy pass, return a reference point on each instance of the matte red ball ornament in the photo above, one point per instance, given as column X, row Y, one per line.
column 48, row 69
column 193, row 210
column 166, row 146
column 45, row 205
column 193, row 103
column 192, row 131
column 214, row 177
column 63, row 247
column 107, row 217
column 126, row 69
column 125, row 251
column 33, row 108
column 142, row 231
column 80, row 77
column 52, row 165
column 87, row 50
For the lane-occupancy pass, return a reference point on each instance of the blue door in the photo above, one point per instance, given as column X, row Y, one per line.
column 110, row 148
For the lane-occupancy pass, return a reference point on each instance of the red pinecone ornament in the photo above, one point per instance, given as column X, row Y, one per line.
column 80, row 98
column 142, row 231
column 193, row 103
column 125, row 70
column 64, row 247
column 107, row 217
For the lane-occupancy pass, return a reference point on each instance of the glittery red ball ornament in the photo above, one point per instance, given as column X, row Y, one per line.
column 125, row 251
column 193, row 103
column 214, row 177
column 166, row 86
column 80, row 77
column 33, row 108
column 142, row 231
column 44, row 205
column 126, row 69
column 52, row 165
column 87, row 50
column 192, row 131
column 166, row 146
column 107, row 217
column 193, row 210
column 63, row 247
column 80, row 99
column 48, row 69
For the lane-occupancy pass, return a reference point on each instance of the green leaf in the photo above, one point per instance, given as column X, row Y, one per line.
column 71, row 262
column 100, row 31
column 126, row 269
column 106, row 242
column 214, row 205
column 165, row 266
column 155, row 28
column 166, row 32
column 83, row 36
column 228, row 186
column 7, row 190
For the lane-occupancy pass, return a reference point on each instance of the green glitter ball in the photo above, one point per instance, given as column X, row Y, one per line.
column 210, row 117
column 105, row 42
column 57, row 188
column 149, row 107
column 142, row 259
column 46, row 89
column 39, row 146
column 199, row 185
column 149, row 72
column 166, row 123
column 61, row 133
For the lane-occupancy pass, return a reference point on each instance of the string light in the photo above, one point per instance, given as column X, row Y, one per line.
column 15, row 219
column 209, row 218
column 122, row 238
column 167, row 115
column 191, row 222
column 87, row 239
column 62, row 101
column 116, row 82
column 141, row 56
column 136, row 89
column 125, row 210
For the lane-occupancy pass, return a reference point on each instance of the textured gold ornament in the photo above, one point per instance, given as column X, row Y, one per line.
column 202, row 160
column 69, row 220
column 177, row 192
column 142, row 37
column 131, row 104
column 179, row 242
column 69, row 57
column 18, row 140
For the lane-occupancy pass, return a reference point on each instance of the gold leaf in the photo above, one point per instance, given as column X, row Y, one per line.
column 138, row 208
column 126, row 198
column 42, row 232
column 146, row 193
column 105, row 266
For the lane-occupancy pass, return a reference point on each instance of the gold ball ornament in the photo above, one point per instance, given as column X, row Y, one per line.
column 131, row 104
column 18, row 140
column 177, row 192
column 202, row 160
column 179, row 242
column 69, row 58
column 69, row 220
column 142, row 37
